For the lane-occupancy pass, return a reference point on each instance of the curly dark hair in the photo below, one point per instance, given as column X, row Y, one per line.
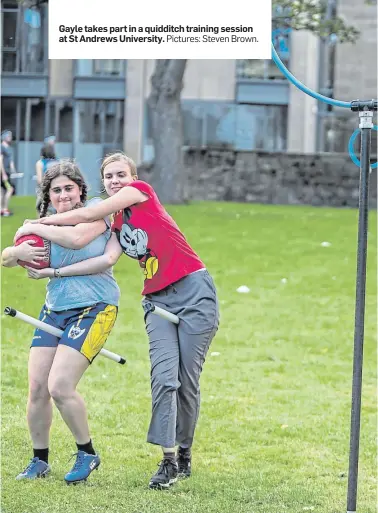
column 62, row 168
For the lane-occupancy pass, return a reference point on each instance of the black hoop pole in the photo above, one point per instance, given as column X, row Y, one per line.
column 366, row 124
column 365, row 109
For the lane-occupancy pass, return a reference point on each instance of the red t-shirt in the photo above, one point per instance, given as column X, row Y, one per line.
column 148, row 233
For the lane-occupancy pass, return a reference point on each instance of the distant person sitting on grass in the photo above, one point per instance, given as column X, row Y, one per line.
column 175, row 279
column 85, row 308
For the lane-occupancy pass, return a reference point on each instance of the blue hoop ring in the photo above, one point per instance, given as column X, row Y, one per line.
column 351, row 148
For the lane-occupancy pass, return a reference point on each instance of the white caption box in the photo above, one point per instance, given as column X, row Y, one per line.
column 196, row 29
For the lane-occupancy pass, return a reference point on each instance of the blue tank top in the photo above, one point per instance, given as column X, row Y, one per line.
column 81, row 291
column 47, row 163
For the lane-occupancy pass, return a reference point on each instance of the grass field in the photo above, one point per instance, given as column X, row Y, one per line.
column 273, row 434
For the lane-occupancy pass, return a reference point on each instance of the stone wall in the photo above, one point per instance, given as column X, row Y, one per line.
column 328, row 179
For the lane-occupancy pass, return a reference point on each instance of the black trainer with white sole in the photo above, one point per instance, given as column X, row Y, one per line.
column 166, row 475
column 184, row 462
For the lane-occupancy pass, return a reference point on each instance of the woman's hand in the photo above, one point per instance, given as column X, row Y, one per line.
column 33, row 221
column 28, row 253
column 26, row 229
column 39, row 274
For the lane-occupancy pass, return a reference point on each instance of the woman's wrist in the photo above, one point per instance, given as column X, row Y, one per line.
column 57, row 273
column 36, row 229
column 15, row 253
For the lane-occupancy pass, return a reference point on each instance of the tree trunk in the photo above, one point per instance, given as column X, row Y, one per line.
column 166, row 85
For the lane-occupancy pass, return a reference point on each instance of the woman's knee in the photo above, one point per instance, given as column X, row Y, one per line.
column 165, row 378
column 38, row 391
column 59, row 389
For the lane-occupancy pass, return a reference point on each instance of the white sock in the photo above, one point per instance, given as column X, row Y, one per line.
column 169, row 453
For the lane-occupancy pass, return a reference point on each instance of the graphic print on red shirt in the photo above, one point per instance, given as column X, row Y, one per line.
column 148, row 233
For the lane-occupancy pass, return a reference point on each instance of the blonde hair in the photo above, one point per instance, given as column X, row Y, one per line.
column 119, row 156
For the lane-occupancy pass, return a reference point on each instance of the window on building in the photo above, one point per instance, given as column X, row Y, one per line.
column 59, row 119
column 267, row 69
column 240, row 127
column 208, row 124
column 13, row 116
column 38, row 119
column 9, row 43
column 100, row 68
column 33, row 119
column 9, row 115
column 261, row 127
column 101, row 121
column 231, row 126
column 108, row 67
column 338, row 128
column 258, row 69
column 24, row 41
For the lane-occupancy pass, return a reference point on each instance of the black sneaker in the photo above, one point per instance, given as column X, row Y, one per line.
column 166, row 476
column 184, row 462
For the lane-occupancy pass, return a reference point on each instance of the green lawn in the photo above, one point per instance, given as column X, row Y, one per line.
column 273, row 434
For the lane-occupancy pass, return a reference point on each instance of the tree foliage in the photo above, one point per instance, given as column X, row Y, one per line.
column 311, row 15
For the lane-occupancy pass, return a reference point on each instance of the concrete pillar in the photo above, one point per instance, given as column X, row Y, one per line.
column 356, row 64
column 134, row 108
column 61, row 78
column 303, row 108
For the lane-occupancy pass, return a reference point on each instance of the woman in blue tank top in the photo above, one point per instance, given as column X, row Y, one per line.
column 84, row 308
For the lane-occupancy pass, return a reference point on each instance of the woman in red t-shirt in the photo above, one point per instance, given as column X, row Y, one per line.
column 174, row 279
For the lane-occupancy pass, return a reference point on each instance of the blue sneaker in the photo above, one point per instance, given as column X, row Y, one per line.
column 36, row 468
column 84, row 465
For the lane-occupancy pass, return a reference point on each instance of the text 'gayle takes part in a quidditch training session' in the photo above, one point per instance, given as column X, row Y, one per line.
column 157, row 34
